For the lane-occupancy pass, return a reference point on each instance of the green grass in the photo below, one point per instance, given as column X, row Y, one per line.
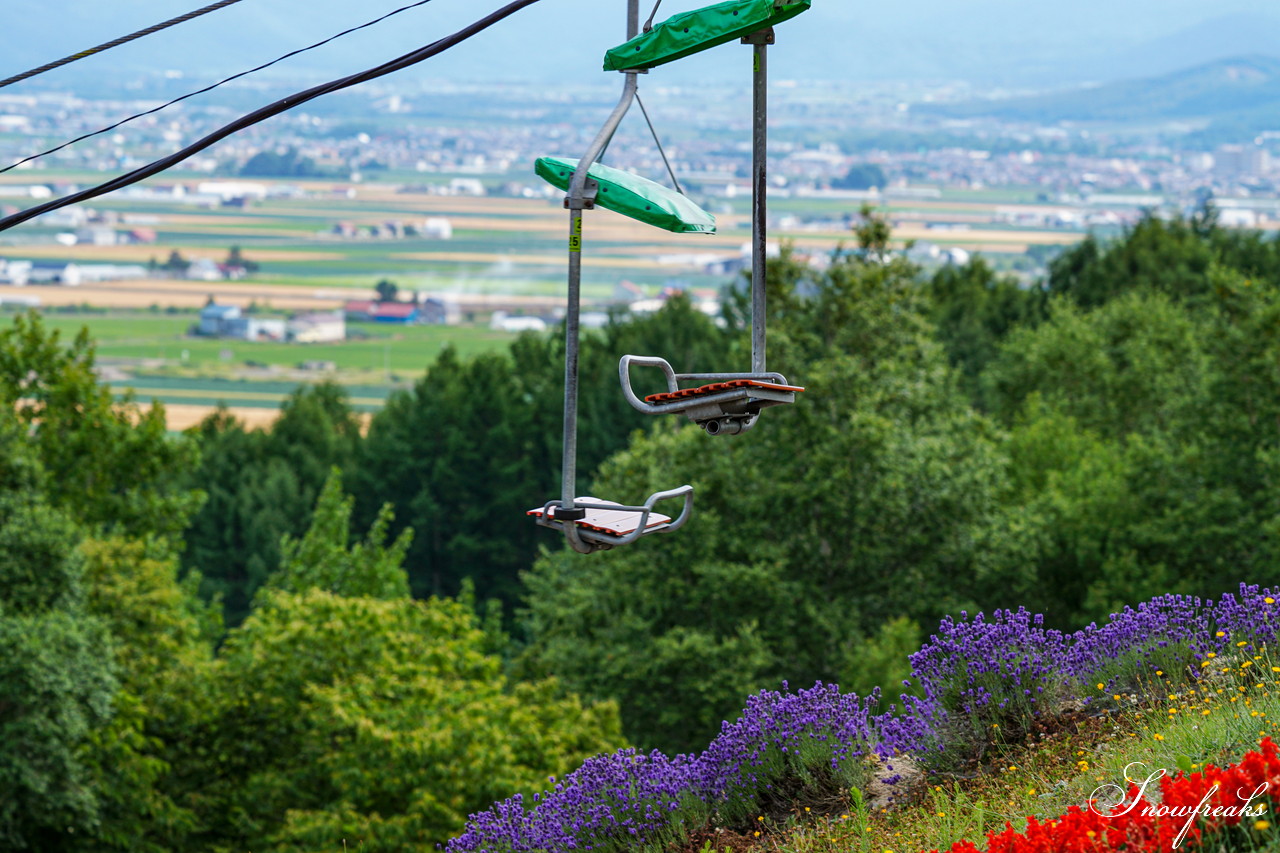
column 406, row 350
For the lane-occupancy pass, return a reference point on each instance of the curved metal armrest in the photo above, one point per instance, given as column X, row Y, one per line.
column 686, row 491
column 624, row 374
column 572, row 531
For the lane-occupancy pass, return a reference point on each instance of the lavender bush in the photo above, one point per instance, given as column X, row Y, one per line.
column 621, row 801
column 976, row 676
column 1164, row 635
column 1251, row 616
column 808, row 746
column 987, row 678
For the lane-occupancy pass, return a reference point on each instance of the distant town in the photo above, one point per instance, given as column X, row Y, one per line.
column 830, row 142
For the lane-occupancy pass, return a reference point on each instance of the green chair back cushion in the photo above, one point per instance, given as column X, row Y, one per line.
column 633, row 196
column 690, row 32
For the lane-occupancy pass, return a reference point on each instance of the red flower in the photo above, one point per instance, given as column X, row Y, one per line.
column 1189, row 808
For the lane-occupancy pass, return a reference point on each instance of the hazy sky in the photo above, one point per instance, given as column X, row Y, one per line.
column 1005, row 40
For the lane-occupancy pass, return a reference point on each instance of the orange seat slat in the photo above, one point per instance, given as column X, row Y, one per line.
column 716, row 387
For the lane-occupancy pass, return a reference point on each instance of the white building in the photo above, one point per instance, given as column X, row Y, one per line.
column 317, row 327
column 437, row 228
column 503, row 323
column 16, row 273
column 227, row 190
column 204, row 269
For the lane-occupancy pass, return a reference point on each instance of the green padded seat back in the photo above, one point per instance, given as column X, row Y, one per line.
column 690, row 32
column 632, row 195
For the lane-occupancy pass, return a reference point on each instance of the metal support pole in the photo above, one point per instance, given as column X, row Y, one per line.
column 582, row 195
column 569, row 461
column 759, row 193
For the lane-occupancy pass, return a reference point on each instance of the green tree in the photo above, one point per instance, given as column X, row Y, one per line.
column 1176, row 257
column 387, row 290
column 1143, row 436
column 163, row 640
column 262, row 485
column 236, row 258
column 110, row 465
column 280, row 164
column 320, row 732
column 342, row 711
column 176, row 263
column 973, row 310
column 322, row 558
column 863, row 176
column 55, row 683
column 1137, row 364
column 476, row 443
column 880, row 493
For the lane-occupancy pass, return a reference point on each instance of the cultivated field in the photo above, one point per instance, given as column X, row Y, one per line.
column 505, row 254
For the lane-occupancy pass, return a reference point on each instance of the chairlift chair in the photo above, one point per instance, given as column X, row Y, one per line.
column 728, row 403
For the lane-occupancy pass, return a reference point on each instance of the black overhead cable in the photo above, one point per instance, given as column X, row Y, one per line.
column 294, row 100
column 291, row 53
column 66, row 60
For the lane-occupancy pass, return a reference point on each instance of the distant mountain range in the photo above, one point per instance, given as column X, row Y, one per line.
column 984, row 42
column 1242, row 92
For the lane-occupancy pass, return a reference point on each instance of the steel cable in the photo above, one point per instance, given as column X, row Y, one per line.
column 209, row 88
column 67, row 60
column 263, row 113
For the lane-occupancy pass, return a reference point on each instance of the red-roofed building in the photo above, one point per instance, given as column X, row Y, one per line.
column 368, row 311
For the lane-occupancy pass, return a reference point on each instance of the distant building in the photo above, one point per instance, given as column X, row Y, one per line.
column 317, row 327
column 1241, row 161
column 627, row 291
column 1238, row 217
column 437, row 312
column 466, row 186
column 228, row 190
column 54, row 272
column 254, row 329
column 368, row 311
column 204, row 269
column 111, row 272
column 97, row 235
column 437, row 228
column 16, row 273
column 503, row 323
column 214, row 318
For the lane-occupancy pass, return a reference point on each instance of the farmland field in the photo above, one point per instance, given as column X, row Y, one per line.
column 151, row 354
column 319, row 243
column 146, row 336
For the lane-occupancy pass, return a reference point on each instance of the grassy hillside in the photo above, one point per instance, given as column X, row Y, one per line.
column 1005, row 727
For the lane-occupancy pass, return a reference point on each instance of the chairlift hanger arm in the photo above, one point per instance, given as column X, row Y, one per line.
column 578, row 195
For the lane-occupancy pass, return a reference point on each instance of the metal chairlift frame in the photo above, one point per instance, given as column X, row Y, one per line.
column 719, row 410
column 564, row 514
column 729, row 412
